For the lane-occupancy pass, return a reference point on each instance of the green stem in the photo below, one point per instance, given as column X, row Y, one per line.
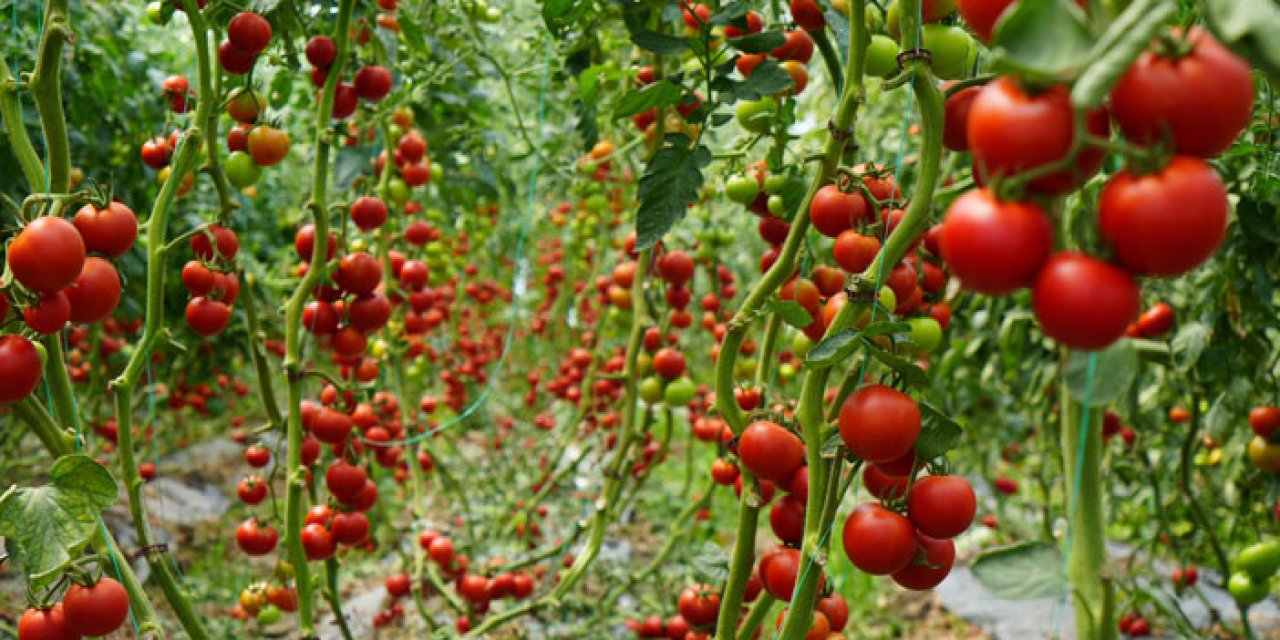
column 744, row 553
column 11, row 110
column 256, row 336
column 1088, row 554
column 757, row 614
column 296, row 474
column 46, row 91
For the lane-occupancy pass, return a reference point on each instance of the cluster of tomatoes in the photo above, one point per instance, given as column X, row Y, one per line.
column 248, row 34
column 210, row 281
column 1161, row 216
column 251, row 145
column 88, row 609
column 371, row 83
column 266, row 603
column 410, row 154
column 57, row 281
column 476, row 589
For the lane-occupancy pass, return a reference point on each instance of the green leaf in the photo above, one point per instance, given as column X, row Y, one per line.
column 670, row 183
column 1042, row 40
column 886, row 328
column 832, row 349
column 556, row 9
column 768, row 79
column 1112, row 54
column 731, row 13
column 46, row 527
column 938, row 433
column 832, row 444
column 791, row 313
column 709, row 564
column 586, row 125
column 911, row 373
column 762, row 42
column 1116, row 368
column 659, row 43
column 1249, row 27
column 658, row 94
column 1189, row 343
column 1022, row 571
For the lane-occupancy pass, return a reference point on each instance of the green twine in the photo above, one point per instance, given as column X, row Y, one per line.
column 1081, row 445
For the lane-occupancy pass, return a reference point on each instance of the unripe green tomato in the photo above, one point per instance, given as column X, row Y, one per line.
column 951, row 48
column 756, row 115
column 615, row 315
column 394, row 132
column 925, row 333
column 158, row 13
column 741, row 189
column 882, row 56
column 891, row 17
column 399, row 191
column 644, row 363
column 745, row 367
column 692, row 66
column 268, row 615
column 801, row 345
column 777, row 206
column 587, row 167
column 706, row 251
column 437, row 171
column 241, row 170
column 786, row 371
column 680, row 392
column 724, row 238
column 888, row 299
column 597, row 202
column 1245, row 590
column 651, row 390
column 1260, row 560
column 492, row 14
column 776, row 183
column 592, row 221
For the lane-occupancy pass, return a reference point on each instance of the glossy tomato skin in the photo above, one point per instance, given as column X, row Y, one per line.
column 995, row 247
column 20, row 368
column 931, row 565
column 1203, row 100
column 46, row 624
column 786, row 518
column 942, row 506
column 699, row 605
column 770, row 451
column 1084, row 303
column 878, row 423
column 95, row 294
column 256, row 539
column 877, row 540
column 47, row 254
column 1156, row 321
column 110, row 231
column 1011, row 130
column 955, row 127
column 1165, row 223
column 833, row 211
column 98, row 609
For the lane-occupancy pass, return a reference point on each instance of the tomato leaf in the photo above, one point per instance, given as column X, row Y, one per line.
column 658, row 94
column 886, row 328
column 769, row 78
column 670, row 183
column 709, row 564
column 46, row 527
column 731, row 13
column 762, row 42
column 938, row 433
column 1189, row 343
column 1249, row 27
column 1114, row 373
column 911, row 373
column 659, row 43
column 791, row 313
column 1022, row 571
column 1043, row 40
column 832, row 348
column 1112, row 54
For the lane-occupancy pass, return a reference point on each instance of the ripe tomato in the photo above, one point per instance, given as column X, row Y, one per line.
column 47, row 255
column 207, row 317
column 754, row 23
column 955, row 127
column 1264, row 420
column 877, row 540
column 942, row 506
column 256, row 539
column 368, row 212
column 1202, row 100
column 1156, row 321
column 676, row 267
column 833, row 211
column 699, row 605
column 808, row 15
column 883, row 485
column 1011, row 130
column 1166, row 223
column 1082, row 302
column 358, row 273
column 50, row 315
column 95, row 294
column 786, row 518
column 20, row 368
column 46, row 624
column 345, row 480
column 317, row 542
column 321, row 51
column 227, row 244
column 995, row 247
column 98, row 609
column 156, row 153
column 252, row 490
column 836, row 609
column 879, row 424
column 829, row 281
column 373, row 82
column 770, row 451
column 854, row 252
column 268, row 145
column 345, row 100
column 249, row 32
column 798, row 46
column 110, row 231
column 398, row 585
column 669, row 363
column 778, row 570
column 930, row 566
column 234, row 60
column 474, row 588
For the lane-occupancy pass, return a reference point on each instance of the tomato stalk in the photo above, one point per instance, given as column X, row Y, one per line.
column 19, row 141
column 1087, row 563
column 297, row 474
column 756, row 615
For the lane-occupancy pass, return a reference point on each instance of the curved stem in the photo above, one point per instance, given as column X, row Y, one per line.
column 11, row 110
column 46, row 91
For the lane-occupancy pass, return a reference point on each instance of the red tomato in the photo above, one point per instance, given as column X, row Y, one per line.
column 1264, row 420
column 50, row 315
column 359, row 273
column 833, row 211
column 854, row 252
column 317, row 542
column 249, row 32
column 1156, row 321
column 207, row 317
column 1203, row 100
column 1011, row 130
column 931, row 565
column 256, row 539
column 942, row 506
column 836, row 609
column 676, row 267
column 955, row 127
column 110, row 231
column 373, row 83
column 20, row 368
column 1084, row 303
column 786, row 518
column 46, row 624
column 770, row 451
column 884, row 485
column 98, row 609
column 699, row 605
column 47, row 254
column 669, row 363
column 808, row 15
column 1166, row 223
column 879, row 424
column 95, row 294
column 995, row 247
column 878, row 541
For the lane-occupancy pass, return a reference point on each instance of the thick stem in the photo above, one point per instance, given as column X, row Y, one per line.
column 1082, row 463
column 46, row 91
column 758, row 613
column 19, row 141
column 296, row 474
column 744, row 554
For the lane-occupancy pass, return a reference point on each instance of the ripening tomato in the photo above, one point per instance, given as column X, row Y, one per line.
column 930, row 566
column 94, row 295
column 995, row 247
column 98, row 609
column 1202, row 100
column 879, row 424
column 1165, row 223
column 244, row 106
column 47, row 255
column 110, row 231
column 1012, row 130
column 942, row 506
column 1084, row 303
column 770, row 451
column 877, row 540
column 268, row 145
